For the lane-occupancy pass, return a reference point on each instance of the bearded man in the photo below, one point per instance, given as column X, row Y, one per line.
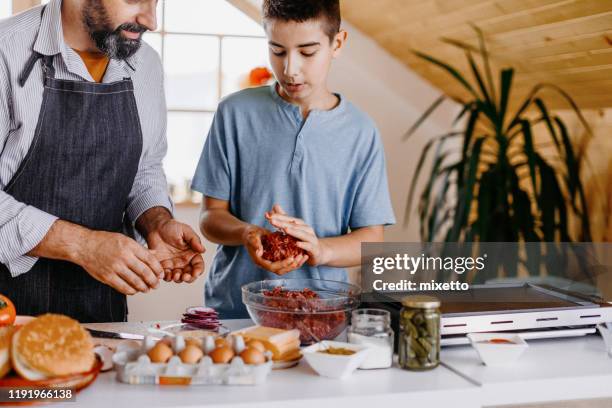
column 82, row 138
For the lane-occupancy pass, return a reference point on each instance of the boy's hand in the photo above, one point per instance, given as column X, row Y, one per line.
column 297, row 228
column 252, row 242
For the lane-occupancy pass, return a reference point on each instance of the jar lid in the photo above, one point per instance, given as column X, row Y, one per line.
column 421, row 302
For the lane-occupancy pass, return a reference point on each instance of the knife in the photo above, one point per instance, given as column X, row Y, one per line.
column 112, row 335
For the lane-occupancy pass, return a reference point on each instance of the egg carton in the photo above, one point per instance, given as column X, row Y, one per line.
column 133, row 366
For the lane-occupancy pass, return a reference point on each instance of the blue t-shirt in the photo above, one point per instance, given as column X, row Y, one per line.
column 328, row 170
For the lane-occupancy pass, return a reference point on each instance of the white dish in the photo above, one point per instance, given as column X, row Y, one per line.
column 186, row 330
column 281, row 365
column 498, row 354
column 333, row 365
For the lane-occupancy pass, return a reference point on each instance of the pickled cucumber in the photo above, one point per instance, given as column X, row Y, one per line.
column 419, row 347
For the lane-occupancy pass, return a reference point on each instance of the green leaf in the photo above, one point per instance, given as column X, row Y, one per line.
column 530, row 153
column 485, row 58
column 486, row 204
column 516, row 120
column 562, row 211
column 574, row 184
column 489, row 111
column 448, row 69
column 464, row 110
column 418, row 169
column 459, row 44
column 570, row 159
column 465, row 199
column 467, row 140
column 437, row 206
column 551, row 203
column 546, row 117
column 439, row 158
column 572, row 103
column 424, row 116
column 521, row 206
column 478, row 77
column 505, row 83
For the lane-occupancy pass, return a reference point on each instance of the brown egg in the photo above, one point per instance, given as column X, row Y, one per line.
column 191, row 354
column 222, row 355
column 221, row 342
column 166, row 340
column 256, row 344
column 160, row 353
column 193, row 341
column 251, row 355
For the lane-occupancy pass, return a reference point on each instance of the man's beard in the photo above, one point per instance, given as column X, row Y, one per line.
column 110, row 42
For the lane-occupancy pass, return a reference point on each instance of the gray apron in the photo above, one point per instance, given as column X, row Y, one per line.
column 81, row 166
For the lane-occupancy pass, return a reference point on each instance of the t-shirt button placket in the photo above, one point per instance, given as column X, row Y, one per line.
column 298, row 155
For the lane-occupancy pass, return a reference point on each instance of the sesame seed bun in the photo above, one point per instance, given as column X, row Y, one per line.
column 6, row 334
column 52, row 345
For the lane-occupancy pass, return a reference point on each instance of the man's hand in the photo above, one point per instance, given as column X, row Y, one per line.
column 179, row 250
column 252, row 242
column 110, row 258
column 297, row 228
column 174, row 244
column 119, row 261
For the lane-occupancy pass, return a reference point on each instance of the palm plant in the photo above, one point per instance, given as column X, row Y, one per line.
column 502, row 188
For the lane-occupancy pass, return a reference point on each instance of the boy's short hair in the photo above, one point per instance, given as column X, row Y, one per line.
column 304, row 10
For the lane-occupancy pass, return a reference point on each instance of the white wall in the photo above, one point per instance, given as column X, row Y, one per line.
column 394, row 97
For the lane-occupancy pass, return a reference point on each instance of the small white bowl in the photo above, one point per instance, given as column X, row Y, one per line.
column 498, row 354
column 333, row 365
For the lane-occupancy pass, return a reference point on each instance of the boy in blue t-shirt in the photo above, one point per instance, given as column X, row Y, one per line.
column 292, row 156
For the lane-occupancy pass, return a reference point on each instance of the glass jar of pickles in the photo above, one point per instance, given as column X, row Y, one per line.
column 419, row 337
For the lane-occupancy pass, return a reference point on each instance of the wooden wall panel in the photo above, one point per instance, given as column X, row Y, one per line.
column 566, row 42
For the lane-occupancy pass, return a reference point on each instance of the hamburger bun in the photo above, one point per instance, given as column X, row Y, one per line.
column 5, row 349
column 52, row 345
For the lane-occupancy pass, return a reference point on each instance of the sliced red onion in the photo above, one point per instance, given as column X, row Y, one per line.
column 201, row 317
column 201, row 310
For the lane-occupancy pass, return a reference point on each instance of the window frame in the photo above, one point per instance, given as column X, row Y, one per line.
column 220, row 37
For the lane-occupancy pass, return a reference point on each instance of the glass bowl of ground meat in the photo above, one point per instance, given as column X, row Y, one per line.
column 319, row 309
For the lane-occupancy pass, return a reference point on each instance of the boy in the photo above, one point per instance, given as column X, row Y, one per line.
column 291, row 150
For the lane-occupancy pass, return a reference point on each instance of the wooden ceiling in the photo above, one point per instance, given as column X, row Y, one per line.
column 565, row 42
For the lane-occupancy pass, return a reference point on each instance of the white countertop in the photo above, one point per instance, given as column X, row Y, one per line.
column 549, row 370
column 295, row 387
column 559, row 369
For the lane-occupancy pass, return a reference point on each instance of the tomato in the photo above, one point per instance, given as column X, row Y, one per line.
column 259, row 76
column 7, row 311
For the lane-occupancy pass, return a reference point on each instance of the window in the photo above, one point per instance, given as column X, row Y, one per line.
column 208, row 49
column 6, row 8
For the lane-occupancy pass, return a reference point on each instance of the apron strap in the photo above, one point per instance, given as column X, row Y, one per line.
column 27, row 70
column 29, row 66
column 48, row 69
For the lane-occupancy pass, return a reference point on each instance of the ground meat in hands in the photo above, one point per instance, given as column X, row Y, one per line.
column 278, row 246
